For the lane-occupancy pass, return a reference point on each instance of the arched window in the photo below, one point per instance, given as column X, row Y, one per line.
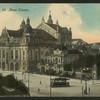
column 56, row 60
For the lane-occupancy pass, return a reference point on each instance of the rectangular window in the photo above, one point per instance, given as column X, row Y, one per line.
column 16, row 54
column 3, row 53
column 0, row 64
column 11, row 54
column 23, row 54
column 0, row 53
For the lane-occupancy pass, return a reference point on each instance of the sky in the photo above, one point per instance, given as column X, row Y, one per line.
column 84, row 19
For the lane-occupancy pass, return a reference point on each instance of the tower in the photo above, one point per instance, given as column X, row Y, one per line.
column 50, row 21
column 22, row 24
column 28, row 21
column 57, row 23
column 28, row 28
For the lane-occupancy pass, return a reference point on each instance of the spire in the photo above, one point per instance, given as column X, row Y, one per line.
column 50, row 21
column 57, row 23
column 28, row 21
column 22, row 24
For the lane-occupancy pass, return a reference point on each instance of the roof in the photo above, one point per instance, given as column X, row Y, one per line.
column 54, row 26
column 74, row 51
column 61, row 47
column 17, row 33
column 43, row 34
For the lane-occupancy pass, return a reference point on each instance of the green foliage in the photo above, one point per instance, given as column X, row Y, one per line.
column 10, row 82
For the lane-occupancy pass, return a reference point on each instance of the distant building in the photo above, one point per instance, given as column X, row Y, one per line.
column 81, row 46
column 95, row 47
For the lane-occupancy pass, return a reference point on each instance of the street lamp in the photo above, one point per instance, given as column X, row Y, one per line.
column 86, row 76
column 50, row 81
column 81, row 75
column 28, row 82
column 50, row 84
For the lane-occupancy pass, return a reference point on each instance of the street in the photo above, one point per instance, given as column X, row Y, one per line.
column 75, row 88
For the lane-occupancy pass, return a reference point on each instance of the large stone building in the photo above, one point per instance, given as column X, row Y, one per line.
column 23, row 49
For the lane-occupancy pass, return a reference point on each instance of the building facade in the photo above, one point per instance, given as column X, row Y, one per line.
column 25, row 48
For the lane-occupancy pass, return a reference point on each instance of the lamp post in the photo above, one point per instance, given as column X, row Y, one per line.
column 85, row 86
column 81, row 75
column 50, row 81
column 85, row 69
column 93, row 77
column 28, row 82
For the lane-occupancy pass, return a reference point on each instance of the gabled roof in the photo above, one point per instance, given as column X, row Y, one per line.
column 54, row 26
column 43, row 34
column 17, row 33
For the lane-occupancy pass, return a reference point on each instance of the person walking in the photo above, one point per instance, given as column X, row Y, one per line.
column 38, row 90
column 40, row 82
column 82, row 90
column 89, row 89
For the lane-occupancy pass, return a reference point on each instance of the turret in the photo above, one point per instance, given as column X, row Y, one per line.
column 28, row 21
column 57, row 23
column 28, row 28
column 43, row 19
column 50, row 21
column 22, row 24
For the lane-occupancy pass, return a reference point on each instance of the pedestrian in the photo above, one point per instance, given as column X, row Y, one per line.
column 40, row 82
column 82, row 90
column 89, row 89
column 38, row 90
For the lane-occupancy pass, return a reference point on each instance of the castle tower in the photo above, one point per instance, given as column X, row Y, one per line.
column 28, row 21
column 50, row 21
column 22, row 24
column 27, row 28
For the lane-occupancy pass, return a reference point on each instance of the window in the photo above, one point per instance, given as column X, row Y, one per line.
column 16, row 54
column 0, row 53
column 11, row 66
column 11, row 54
column 23, row 54
column 3, row 54
column 3, row 65
column 0, row 64
column 59, row 60
column 16, row 66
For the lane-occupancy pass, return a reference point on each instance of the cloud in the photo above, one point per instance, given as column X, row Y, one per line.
column 10, row 20
column 69, row 17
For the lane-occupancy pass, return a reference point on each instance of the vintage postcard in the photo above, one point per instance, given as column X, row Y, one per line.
column 50, row 50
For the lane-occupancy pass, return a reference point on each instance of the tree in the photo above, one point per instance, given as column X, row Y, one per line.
column 90, row 61
column 67, row 67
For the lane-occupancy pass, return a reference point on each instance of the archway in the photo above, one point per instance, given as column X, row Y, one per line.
column 56, row 60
